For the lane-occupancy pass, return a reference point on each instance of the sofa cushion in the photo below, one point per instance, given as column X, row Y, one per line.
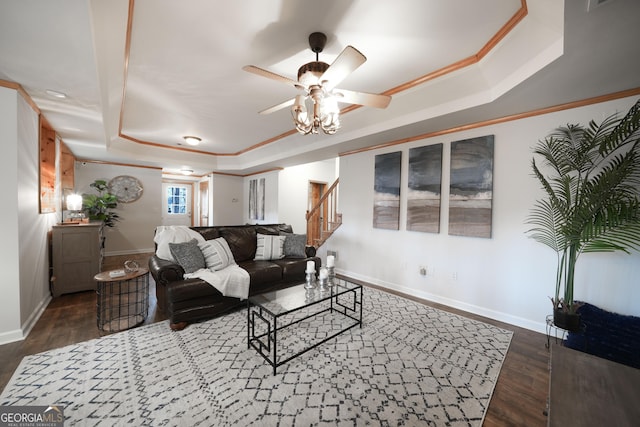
column 293, row 269
column 261, row 272
column 269, row 247
column 209, row 233
column 188, row 255
column 295, row 245
column 273, row 229
column 242, row 241
column 217, row 254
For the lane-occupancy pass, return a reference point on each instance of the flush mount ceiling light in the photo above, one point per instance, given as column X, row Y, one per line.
column 318, row 81
column 192, row 140
column 56, row 94
column 186, row 171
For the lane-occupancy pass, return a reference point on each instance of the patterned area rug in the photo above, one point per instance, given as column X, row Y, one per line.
column 409, row 365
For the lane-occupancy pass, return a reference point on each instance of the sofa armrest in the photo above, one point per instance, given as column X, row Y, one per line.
column 310, row 251
column 164, row 272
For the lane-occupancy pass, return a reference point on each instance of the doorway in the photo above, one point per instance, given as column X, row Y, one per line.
column 177, row 205
column 316, row 215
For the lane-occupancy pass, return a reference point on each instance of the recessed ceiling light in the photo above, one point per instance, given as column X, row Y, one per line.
column 56, row 94
column 192, row 140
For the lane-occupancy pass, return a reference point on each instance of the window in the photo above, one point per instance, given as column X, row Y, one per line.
column 176, row 200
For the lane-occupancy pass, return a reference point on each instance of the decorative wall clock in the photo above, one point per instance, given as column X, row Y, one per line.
column 126, row 188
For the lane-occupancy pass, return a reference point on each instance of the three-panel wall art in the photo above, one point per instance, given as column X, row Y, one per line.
column 470, row 188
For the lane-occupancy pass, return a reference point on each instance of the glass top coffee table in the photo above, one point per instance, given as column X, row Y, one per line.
column 286, row 323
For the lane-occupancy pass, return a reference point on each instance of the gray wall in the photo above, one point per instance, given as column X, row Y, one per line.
column 134, row 231
column 509, row 276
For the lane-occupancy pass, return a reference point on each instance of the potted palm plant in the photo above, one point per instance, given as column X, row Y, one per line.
column 591, row 179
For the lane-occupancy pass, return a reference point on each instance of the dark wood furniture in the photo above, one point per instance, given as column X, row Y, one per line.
column 585, row 390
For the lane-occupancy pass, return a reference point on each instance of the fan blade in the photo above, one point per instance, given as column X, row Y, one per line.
column 346, row 63
column 362, row 98
column 271, row 75
column 278, row 107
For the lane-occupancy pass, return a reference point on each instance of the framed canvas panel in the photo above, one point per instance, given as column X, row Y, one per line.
column 425, row 181
column 386, row 191
column 471, row 187
column 256, row 199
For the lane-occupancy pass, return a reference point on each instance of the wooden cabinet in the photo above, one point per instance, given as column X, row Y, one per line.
column 77, row 252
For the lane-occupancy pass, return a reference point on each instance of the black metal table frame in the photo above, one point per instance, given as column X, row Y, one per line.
column 552, row 328
column 114, row 304
column 266, row 349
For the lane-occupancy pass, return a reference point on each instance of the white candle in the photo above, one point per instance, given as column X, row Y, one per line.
column 331, row 261
column 324, row 273
column 311, row 266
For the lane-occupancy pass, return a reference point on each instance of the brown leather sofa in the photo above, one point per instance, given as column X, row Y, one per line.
column 191, row 300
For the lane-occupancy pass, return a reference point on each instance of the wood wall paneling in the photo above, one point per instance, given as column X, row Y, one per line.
column 47, row 168
column 67, row 168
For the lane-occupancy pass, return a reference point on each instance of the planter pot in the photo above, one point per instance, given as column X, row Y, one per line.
column 565, row 320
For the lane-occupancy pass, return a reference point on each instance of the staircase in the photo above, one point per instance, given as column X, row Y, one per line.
column 323, row 218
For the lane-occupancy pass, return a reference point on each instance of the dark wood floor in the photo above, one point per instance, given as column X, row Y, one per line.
column 519, row 398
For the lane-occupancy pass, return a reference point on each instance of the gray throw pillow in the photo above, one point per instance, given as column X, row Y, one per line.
column 188, row 255
column 295, row 245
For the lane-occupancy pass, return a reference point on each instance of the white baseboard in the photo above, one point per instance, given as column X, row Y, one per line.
column 11, row 336
column 130, row 252
column 460, row 305
column 23, row 332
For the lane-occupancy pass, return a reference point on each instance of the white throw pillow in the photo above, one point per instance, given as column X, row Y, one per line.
column 217, row 253
column 166, row 234
column 269, row 247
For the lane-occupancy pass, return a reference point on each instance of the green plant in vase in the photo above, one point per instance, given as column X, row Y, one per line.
column 99, row 207
column 591, row 177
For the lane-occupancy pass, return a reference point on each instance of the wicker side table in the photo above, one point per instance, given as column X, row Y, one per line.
column 122, row 302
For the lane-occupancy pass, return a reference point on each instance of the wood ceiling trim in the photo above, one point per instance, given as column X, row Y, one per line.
column 18, row 87
column 520, row 14
column 499, row 120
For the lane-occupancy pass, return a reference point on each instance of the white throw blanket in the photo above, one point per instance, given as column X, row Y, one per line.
column 166, row 234
column 231, row 281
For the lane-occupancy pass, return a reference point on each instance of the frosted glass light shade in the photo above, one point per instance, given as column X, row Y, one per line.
column 74, row 202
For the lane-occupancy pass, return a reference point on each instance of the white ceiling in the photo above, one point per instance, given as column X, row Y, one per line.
column 141, row 74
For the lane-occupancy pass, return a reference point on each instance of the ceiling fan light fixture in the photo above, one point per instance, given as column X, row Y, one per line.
column 326, row 114
column 192, row 140
column 318, row 80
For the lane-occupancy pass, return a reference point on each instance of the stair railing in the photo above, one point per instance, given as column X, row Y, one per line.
column 323, row 218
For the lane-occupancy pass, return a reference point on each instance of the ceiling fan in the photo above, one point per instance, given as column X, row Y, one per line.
column 318, row 80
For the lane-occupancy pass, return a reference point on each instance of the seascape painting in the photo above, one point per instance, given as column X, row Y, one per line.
column 425, row 180
column 386, row 191
column 471, row 187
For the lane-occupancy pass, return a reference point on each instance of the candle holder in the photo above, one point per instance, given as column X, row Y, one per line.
column 324, row 284
column 309, row 295
column 309, row 280
column 332, row 276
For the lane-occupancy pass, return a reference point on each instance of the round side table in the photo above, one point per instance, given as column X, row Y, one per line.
column 123, row 300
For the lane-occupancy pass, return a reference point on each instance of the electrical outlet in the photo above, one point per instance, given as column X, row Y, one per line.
column 454, row 275
column 334, row 253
